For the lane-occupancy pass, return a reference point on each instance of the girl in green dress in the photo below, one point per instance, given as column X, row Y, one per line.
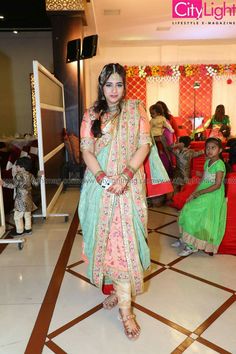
column 203, row 218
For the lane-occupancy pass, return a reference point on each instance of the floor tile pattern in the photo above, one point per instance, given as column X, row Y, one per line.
column 189, row 303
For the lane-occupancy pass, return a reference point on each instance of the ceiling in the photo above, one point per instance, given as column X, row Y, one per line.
column 24, row 15
column 146, row 22
column 124, row 22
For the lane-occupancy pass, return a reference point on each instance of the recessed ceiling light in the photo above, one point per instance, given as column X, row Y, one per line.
column 15, row 32
column 1, row 17
column 115, row 12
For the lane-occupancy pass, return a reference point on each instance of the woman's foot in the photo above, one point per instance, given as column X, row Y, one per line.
column 110, row 301
column 131, row 327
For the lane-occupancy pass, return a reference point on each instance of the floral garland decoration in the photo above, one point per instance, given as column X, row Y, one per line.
column 174, row 72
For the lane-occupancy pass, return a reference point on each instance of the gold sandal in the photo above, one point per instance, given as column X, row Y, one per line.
column 134, row 333
column 110, row 301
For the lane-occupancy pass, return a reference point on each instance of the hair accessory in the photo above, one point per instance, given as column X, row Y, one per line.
column 102, row 76
column 115, row 76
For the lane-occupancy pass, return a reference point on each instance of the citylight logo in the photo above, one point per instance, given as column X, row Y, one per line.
column 197, row 9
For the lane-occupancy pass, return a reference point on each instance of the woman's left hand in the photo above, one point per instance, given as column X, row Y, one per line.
column 194, row 195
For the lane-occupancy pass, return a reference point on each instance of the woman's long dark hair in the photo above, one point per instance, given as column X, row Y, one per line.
column 219, row 112
column 101, row 106
column 166, row 112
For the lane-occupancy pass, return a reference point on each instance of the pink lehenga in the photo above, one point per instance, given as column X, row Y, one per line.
column 115, row 227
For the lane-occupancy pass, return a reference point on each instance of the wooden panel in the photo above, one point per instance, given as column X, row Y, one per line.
column 2, row 215
column 50, row 91
column 53, row 168
column 52, row 129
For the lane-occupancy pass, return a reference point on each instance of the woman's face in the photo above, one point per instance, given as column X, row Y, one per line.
column 113, row 89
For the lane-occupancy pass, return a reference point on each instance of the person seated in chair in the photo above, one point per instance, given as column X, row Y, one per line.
column 220, row 124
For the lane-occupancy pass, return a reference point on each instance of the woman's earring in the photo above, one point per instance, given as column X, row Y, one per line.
column 103, row 98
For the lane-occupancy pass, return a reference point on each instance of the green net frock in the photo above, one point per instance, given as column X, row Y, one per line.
column 202, row 220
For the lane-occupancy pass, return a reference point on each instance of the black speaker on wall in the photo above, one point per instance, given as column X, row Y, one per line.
column 73, row 50
column 89, row 46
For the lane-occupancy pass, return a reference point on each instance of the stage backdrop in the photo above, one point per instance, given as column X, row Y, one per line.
column 136, row 88
column 175, row 86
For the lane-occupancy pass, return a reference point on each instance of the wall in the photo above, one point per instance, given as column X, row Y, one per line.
column 16, row 55
column 158, row 55
column 64, row 29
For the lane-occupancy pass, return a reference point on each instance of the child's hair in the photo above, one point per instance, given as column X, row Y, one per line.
column 186, row 140
column 157, row 108
column 24, row 162
column 152, row 108
column 166, row 112
column 218, row 142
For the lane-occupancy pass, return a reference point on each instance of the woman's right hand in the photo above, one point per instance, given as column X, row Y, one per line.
column 119, row 185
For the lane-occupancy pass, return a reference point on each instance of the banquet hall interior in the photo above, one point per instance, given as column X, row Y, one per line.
column 51, row 53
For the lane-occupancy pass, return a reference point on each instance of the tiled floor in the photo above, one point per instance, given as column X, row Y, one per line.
column 47, row 304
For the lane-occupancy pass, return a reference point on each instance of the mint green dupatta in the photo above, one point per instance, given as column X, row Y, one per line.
column 89, row 209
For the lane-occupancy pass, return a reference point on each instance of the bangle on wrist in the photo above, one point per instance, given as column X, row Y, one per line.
column 99, row 176
column 97, row 173
column 132, row 169
column 129, row 172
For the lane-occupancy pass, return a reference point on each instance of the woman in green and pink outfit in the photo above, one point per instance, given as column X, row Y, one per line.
column 115, row 140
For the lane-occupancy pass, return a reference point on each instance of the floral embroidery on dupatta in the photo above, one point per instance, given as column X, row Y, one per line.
column 87, row 144
column 87, row 140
